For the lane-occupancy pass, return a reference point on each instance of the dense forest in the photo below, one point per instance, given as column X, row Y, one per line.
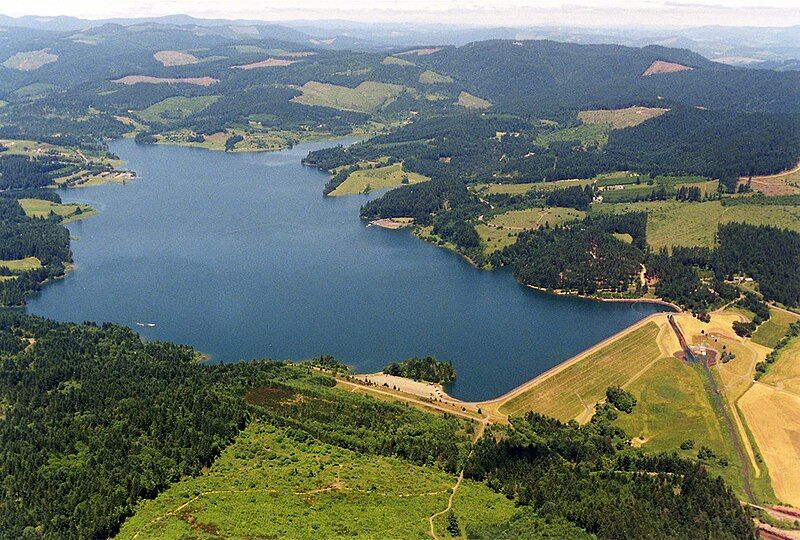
column 21, row 237
column 423, row 369
column 589, row 476
column 94, row 419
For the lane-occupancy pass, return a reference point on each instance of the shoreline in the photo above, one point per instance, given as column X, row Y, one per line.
column 657, row 301
column 525, row 385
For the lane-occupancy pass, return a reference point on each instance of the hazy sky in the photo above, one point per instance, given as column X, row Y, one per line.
column 467, row 12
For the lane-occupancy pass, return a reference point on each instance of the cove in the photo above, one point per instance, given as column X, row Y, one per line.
column 240, row 256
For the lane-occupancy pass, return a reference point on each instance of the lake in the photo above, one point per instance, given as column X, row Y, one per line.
column 240, row 256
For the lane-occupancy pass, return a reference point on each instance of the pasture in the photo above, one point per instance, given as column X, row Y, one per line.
column 173, row 109
column 785, row 372
column 365, row 180
column 468, row 101
column 572, row 392
column 586, row 134
column 770, row 332
column 502, row 229
column 431, row 77
column 268, row 484
column 620, row 118
column 22, row 265
column 366, row 97
column 40, row 208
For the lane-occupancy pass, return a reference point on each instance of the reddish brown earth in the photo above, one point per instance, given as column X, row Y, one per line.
column 269, row 62
column 659, row 66
column 135, row 79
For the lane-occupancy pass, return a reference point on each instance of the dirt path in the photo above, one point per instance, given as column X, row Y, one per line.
column 449, row 506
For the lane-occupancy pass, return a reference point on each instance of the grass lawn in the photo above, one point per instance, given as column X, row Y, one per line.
column 268, row 485
column 366, row 97
column 573, row 392
column 377, row 178
column 518, row 189
column 770, row 332
column 20, row 265
column 175, row 108
column 68, row 212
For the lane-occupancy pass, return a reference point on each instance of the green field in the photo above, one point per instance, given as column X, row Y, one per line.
column 672, row 223
column 431, row 77
column 69, row 212
column 467, row 100
column 366, row 97
column 377, row 178
column 175, row 108
column 573, row 392
column 21, row 265
column 770, row 332
column 502, row 230
column 270, row 485
column 395, row 61
column 674, row 406
column 519, row 189
column 585, row 133
column 34, row 90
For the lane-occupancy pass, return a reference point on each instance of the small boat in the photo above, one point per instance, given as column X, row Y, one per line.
column 149, row 325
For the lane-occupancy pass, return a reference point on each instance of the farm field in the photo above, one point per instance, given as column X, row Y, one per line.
column 518, row 189
column 21, row 265
column 770, row 332
column 431, row 77
column 573, row 392
column 468, row 101
column 175, row 108
column 773, row 417
column 672, row 223
column 69, row 212
column 253, row 141
column 377, row 178
column 785, row 183
column 147, row 79
column 502, row 229
column 785, row 372
column 620, row 118
column 268, row 484
column 366, row 97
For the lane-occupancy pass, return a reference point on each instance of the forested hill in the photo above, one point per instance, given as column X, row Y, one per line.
column 166, row 78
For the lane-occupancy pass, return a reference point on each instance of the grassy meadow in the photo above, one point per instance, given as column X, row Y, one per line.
column 366, row 97
column 377, row 178
column 284, row 487
column 573, row 392
column 40, row 208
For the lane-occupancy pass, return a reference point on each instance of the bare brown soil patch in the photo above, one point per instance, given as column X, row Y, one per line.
column 620, row 118
column 420, row 52
column 659, row 66
column 783, row 183
column 269, row 62
column 147, row 79
column 175, row 58
column 30, row 60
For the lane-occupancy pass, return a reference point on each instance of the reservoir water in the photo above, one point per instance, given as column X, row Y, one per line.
column 240, row 256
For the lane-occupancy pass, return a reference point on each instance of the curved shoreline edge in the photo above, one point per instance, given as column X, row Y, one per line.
column 537, row 379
